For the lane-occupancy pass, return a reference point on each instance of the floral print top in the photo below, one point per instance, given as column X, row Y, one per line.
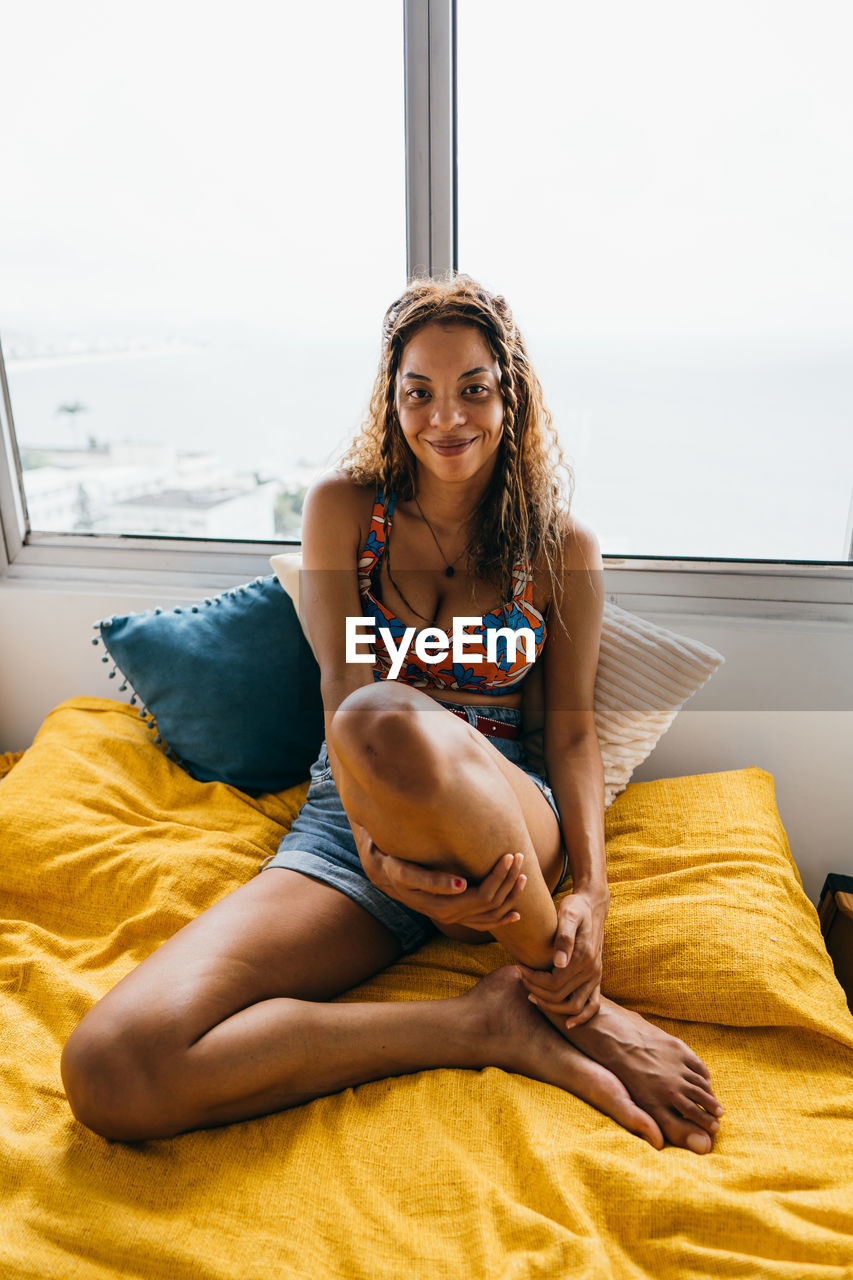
column 498, row 677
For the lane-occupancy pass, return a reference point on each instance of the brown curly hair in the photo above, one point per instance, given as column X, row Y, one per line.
column 522, row 513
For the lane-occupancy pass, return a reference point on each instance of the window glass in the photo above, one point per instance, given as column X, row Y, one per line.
column 664, row 193
column 206, row 223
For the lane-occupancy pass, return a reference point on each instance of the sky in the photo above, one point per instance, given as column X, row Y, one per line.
column 173, row 162
column 670, row 167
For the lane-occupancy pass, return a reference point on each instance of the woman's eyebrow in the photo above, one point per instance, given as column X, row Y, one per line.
column 421, row 377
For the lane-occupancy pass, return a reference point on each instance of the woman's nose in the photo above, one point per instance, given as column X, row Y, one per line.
column 447, row 412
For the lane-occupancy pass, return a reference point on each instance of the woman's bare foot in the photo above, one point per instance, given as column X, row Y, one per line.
column 662, row 1074
column 515, row 1038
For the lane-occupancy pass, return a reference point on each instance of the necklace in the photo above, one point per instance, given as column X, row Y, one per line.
column 449, row 571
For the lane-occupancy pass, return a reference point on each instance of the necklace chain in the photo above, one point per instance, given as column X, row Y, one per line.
column 449, row 571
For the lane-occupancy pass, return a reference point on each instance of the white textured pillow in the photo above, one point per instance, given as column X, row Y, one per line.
column 645, row 675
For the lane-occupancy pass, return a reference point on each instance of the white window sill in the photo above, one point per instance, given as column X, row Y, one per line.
column 186, row 568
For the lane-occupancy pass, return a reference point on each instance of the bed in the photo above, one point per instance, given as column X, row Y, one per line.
column 108, row 847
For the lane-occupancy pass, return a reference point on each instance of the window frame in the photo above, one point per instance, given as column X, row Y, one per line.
column 766, row 589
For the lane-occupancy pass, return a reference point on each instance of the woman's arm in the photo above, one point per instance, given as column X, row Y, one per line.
column 576, row 776
column 331, row 543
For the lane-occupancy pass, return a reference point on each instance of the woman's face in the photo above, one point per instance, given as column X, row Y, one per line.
column 449, row 401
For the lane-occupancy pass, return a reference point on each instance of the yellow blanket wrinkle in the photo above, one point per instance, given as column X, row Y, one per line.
column 8, row 760
column 108, row 848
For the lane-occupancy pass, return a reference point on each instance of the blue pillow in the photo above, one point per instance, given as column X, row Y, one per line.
column 231, row 683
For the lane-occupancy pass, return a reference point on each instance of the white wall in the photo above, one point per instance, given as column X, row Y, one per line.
column 783, row 701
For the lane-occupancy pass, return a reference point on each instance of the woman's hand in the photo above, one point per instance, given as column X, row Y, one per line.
column 572, row 988
column 444, row 897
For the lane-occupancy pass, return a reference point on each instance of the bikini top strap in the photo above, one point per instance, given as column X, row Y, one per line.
column 372, row 550
column 379, row 513
column 522, row 578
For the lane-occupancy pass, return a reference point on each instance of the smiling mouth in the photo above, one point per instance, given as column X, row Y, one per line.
column 451, row 447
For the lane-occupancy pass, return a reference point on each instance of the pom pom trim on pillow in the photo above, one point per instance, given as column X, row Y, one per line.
column 229, row 683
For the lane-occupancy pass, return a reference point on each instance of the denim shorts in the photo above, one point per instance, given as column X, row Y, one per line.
column 320, row 843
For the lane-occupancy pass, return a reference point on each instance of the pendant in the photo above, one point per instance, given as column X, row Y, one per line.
column 448, row 573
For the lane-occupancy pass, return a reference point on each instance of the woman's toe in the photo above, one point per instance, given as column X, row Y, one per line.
column 684, row 1133
column 642, row 1124
column 696, row 1110
column 700, row 1091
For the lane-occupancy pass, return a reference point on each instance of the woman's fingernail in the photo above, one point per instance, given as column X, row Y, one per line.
column 533, row 1000
column 522, row 881
column 561, row 959
column 458, row 884
column 519, row 857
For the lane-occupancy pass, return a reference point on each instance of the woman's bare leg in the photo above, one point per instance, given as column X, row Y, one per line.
column 429, row 788
column 228, row 1020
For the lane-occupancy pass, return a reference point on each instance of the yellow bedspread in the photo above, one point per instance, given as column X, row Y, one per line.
column 108, row 848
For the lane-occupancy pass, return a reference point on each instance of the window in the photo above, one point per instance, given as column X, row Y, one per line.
column 211, row 214
column 664, row 192
column 206, row 228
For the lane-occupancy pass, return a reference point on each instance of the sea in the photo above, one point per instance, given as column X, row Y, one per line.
column 723, row 450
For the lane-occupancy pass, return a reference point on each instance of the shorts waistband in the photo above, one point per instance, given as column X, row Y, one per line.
column 492, row 722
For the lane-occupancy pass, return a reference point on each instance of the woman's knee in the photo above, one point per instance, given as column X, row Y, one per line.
column 380, row 704
column 114, row 1082
column 384, row 731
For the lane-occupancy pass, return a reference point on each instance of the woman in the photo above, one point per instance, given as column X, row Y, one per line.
column 446, row 508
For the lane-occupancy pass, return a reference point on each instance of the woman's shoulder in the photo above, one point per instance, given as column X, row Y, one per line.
column 335, row 494
column 336, row 505
column 579, row 543
column 578, row 546
column 338, row 486
column 579, row 550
